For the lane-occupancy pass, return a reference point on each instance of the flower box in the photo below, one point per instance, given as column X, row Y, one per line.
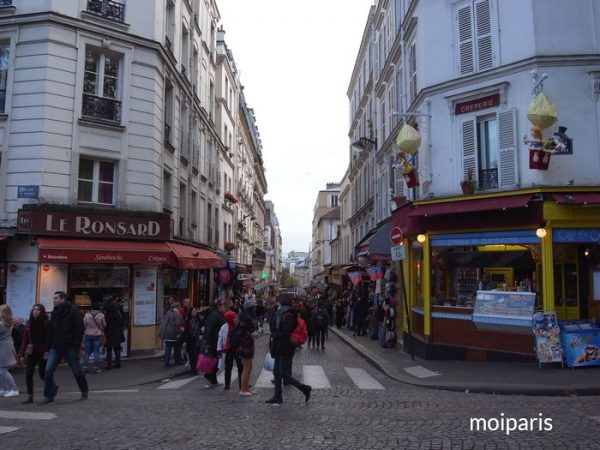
column 229, row 246
column 230, row 197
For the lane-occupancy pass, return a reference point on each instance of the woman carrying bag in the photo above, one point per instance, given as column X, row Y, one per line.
column 33, row 346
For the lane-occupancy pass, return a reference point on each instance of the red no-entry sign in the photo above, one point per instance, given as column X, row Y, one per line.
column 396, row 235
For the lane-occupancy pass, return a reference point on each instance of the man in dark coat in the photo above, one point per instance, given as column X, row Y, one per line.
column 214, row 321
column 113, row 332
column 64, row 340
column 282, row 349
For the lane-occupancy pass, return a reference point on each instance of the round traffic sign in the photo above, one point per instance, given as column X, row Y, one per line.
column 396, row 235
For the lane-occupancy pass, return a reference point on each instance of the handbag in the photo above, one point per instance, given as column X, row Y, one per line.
column 206, row 364
column 269, row 362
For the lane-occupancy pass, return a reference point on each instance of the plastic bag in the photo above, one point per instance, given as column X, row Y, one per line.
column 408, row 139
column 541, row 112
column 269, row 363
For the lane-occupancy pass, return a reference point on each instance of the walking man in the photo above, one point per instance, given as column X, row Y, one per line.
column 64, row 340
column 282, row 349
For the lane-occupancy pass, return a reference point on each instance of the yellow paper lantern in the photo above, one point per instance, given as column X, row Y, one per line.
column 541, row 112
column 408, row 139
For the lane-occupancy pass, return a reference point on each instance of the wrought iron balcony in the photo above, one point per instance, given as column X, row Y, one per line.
column 196, row 156
column 108, row 9
column 488, row 179
column 185, row 144
column 101, row 108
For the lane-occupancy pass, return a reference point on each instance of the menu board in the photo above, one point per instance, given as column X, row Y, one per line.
column 547, row 337
column 53, row 277
column 144, row 296
column 97, row 276
column 21, row 281
column 504, row 311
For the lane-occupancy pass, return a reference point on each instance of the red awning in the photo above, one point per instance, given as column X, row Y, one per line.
column 100, row 251
column 578, row 198
column 189, row 257
column 469, row 206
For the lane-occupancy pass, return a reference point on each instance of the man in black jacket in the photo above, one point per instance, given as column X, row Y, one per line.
column 282, row 349
column 64, row 340
column 211, row 335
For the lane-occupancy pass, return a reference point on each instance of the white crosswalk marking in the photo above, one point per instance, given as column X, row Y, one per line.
column 221, row 376
column 115, row 391
column 8, row 429
column 315, row 377
column 177, row 383
column 26, row 415
column 420, row 372
column 362, row 379
column 264, row 379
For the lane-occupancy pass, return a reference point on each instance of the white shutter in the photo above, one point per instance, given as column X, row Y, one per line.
column 507, row 148
column 465, row 39
column 398, row 182
column 468, row 144
column 483, row 32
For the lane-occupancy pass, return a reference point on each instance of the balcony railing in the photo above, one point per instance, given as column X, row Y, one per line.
column 488, row 179
column 167, row 137
column 101, row 108
column 108, row 9
column 196, row 156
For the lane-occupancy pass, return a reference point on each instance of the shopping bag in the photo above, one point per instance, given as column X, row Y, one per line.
column 206, row 364
column 269, row 363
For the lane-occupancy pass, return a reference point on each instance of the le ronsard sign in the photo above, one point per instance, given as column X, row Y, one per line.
column 80, row 224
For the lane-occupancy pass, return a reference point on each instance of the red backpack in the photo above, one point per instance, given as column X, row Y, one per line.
column 300, row 333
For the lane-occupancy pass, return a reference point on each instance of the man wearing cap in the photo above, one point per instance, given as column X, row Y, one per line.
column 282, row 349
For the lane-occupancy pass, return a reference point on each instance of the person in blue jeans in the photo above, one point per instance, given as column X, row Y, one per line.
column 94, row 324
column 64, row 341
column 171, row 331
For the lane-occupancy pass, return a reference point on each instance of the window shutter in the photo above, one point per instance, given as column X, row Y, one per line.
column 469, row 148
column 483, row 30
column 398, row 182
column 465, row 39
column 507, row 143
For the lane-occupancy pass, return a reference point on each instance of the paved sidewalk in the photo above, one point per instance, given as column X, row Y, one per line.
column 488, row 377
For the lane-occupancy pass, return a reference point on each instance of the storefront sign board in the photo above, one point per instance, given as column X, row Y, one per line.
column 469, row 106
column 547, row 337
column 576, row 235
column 21, row 282
column 144, row 295
column 84, row 224
column 53, row 277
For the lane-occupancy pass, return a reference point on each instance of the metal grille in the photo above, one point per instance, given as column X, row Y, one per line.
column 101, row 108
column 107, row 8
column 488, row 179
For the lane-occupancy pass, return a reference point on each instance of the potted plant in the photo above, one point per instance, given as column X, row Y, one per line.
column 230, row 197
column 468, row 185
column 229, row 246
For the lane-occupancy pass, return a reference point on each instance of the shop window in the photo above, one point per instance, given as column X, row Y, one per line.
column 96, row 182
column 175, row 285
column 101, row 96
column 487, row 145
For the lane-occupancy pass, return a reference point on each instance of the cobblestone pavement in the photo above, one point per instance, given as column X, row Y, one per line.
column 341, row 417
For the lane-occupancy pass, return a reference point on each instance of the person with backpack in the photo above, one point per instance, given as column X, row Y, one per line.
column 282, row 350
column 321, row 322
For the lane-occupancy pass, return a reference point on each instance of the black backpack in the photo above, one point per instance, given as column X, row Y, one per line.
column 319, row 316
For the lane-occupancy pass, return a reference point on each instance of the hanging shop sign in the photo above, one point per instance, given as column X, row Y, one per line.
column 88, row 224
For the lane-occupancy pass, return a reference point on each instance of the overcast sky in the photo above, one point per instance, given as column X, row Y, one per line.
column 295, row 59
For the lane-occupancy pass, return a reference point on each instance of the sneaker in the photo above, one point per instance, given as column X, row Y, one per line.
column 246, row 394
column 2, row 392
column 274, row 400
column 11, row 393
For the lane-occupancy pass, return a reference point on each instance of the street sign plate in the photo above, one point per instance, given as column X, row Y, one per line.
column 397, row 252
column 396, row 235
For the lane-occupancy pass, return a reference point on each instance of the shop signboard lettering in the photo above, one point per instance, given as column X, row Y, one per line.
column 80, row 224
column 489, row 101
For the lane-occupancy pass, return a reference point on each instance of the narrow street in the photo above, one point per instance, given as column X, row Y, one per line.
column 353, row 406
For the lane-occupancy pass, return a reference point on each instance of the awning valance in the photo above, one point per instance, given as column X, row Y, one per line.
column 471, row 206
column 102, row 251
column 190, row 257
column 578, row 198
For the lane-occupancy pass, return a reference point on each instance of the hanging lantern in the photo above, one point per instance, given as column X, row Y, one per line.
column 541, row 112
column 408, row 139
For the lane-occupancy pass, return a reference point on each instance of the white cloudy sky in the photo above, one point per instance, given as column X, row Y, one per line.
column 295, row 59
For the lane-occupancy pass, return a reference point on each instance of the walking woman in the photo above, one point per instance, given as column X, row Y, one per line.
column 170, row 332
column 8, row 387
column 245, row 336
column 33, row 346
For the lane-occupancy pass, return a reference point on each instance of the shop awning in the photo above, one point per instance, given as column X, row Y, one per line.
column 378, row 243
column 190, row 257
column 101, row 251
column 578, row 198
column 471, row 206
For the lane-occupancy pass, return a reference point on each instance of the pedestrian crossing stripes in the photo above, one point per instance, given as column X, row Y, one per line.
column 26, row 415
column 8, row 429
column 177, row 383
column 315, row 376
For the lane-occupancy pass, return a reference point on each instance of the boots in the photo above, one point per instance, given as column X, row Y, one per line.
column 29, row 399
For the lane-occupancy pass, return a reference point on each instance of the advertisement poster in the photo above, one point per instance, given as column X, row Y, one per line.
column 547, row 337
column 53, row 277
column 581, row 342
column 144, row 297
column 21, row 281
